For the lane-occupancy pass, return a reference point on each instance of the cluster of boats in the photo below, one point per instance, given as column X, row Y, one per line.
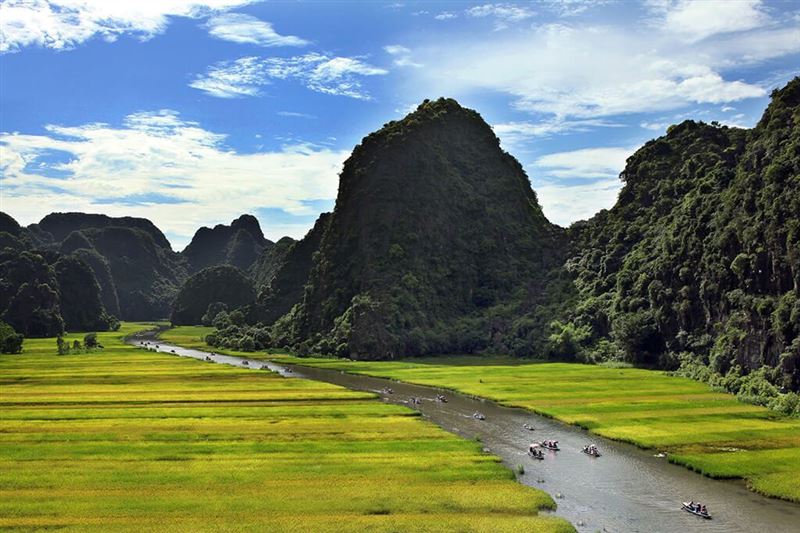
column 535, row 449
column 147, row 346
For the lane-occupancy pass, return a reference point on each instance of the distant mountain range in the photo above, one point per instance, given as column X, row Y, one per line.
column 437, row 244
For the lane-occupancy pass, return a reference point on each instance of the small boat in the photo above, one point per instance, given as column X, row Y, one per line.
column 592, row 450
column 208, row 358
column 550, row 445
column 245, row 363
column 172, row 351
column 441, row 398
column 264, row 367
column 528, row 427
column 478, row 416
column 695, row 509
column 414, row 400
column 387, row 390
column 534, row 452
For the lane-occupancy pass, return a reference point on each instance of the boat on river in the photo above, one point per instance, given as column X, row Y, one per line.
column 550, row 444
column 591, row 449
column 696, row 509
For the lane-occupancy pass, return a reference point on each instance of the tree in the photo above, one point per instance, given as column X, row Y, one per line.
column 90, row 340
column 10, row 340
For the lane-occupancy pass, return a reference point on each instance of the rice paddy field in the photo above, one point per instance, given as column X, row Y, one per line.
column 710, row 432
column 125, row 439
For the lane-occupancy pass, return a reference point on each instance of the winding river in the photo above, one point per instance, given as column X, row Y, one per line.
column 625, row 490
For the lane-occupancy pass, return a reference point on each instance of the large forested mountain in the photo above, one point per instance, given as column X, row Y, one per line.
column 699, row 260
column 239, row 244
column 137, row 271
column 43, row 292
column 433, row 223
column 57, row 226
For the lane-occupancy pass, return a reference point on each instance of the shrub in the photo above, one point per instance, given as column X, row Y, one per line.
column 10, row 340
column 90, row 340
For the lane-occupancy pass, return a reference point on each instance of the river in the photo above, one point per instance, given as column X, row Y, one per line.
column 625, row 490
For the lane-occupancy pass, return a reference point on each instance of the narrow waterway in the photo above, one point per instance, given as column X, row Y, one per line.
column 624, row 490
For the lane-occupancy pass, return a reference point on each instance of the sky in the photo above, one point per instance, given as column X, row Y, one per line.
column 192, row 112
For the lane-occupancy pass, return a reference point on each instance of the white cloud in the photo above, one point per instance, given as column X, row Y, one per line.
column 446, row 15
column 295, row 114
column 585, row 163
column 596, row 171
column 160, row 155
column 571, row 8
column 324, row 74
column 514, row 135
column 402, row 56
column 655, row 126
column 696, row 20
column 232, row 79
column 503, row 14
column 565, row 204
column 396, row 50
column 245, row 29
column 64, row 24
column 585, row 72
column 318, row 72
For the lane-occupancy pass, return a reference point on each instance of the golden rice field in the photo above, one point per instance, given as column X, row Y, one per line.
column 129, row 440
column 707, row 431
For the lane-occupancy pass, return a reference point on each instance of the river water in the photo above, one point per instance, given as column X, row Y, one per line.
column 625, row 490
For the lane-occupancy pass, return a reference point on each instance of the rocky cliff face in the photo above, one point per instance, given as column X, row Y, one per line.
column 138, row 272
column 433, row 222
column 283, row 272
column 239, row 244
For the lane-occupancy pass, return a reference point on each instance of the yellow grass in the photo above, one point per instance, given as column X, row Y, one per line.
column 128, row 440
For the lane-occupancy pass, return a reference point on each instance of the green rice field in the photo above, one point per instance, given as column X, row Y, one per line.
column 124, row 439
column 710, row 432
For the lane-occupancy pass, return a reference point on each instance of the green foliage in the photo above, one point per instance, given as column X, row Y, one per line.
column 10, row 340
column 700, row 253
column 213, row 310
column 29, row 299
column 567, row 341
column 81, row 306
column 90, row 340
column 216, row 285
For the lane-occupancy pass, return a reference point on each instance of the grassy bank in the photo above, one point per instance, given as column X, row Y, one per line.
column 707, row 431
column 125, row 439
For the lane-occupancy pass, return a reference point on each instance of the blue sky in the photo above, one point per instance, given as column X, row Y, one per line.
column 190, row 113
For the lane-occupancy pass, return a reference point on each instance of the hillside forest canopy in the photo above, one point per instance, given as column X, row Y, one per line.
column 438, row 244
